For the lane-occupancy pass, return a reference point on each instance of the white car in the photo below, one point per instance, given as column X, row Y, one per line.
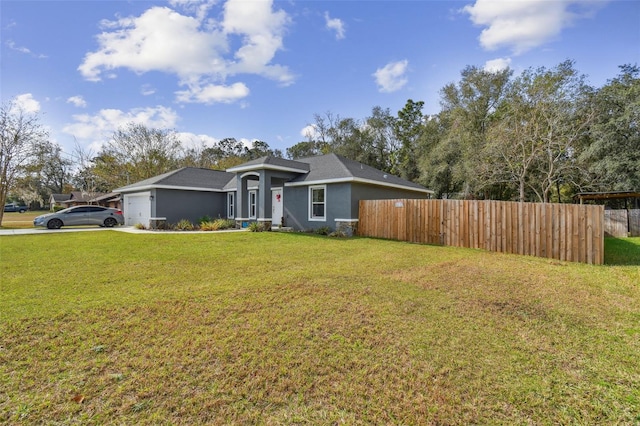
column 81, row 215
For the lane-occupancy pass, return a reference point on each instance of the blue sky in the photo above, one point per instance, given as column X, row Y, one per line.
column 262, row 69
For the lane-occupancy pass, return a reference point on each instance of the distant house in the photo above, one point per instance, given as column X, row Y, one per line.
column 57, row 200
column 77, row 198
column 112, row 199
column 304, row 194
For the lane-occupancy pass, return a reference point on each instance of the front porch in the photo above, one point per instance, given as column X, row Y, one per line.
column 260, row 191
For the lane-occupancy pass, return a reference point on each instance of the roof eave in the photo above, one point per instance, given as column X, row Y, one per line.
column 360, row 180
column 253, row 167
column 126, row 190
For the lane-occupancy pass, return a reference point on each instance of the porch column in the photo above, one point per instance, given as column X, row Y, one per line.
column 242, row 197
column 264, row 195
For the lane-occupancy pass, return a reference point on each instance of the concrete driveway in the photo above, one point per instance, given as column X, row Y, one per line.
column 32, row 231
column 129, row 229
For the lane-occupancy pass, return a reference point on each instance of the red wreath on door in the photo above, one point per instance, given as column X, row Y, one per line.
column 278, row 196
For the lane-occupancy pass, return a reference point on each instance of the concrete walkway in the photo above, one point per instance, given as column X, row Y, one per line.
column 129, row 229
column 32, row 231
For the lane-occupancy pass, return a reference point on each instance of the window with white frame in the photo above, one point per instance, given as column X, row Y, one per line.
column 317, row 204
column 231, row 205
column 252, row 204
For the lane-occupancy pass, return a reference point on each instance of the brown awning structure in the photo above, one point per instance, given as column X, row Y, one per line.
column 607, row 195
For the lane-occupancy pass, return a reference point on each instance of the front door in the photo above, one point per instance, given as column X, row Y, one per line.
column 276, row 207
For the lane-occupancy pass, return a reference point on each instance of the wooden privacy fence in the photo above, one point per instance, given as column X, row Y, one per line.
column 622, row 223
column 568, row 232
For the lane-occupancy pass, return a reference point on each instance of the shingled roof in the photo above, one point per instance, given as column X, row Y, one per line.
column 335, row 168
column 271, row 163
column 329, row 168
column 189, row 178
column 326, row 169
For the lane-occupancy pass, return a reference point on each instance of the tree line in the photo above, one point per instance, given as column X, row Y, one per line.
column 541, row 135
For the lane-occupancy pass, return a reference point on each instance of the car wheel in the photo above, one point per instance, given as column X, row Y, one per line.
column 22, row 211
column 54, row 224
column 110, row 222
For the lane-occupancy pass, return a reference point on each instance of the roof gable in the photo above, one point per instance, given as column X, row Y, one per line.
column 60, row 197
column 336, row 168
column 271, row 163
column 185, row 178
column 81, row 197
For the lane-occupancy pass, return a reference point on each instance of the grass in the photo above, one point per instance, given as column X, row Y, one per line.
column 273, row 328
column 622, row 251
column 14, row 220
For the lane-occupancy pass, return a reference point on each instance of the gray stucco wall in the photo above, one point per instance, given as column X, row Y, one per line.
column 191, row 205
column 371, row 192
column 296, row 206
column 341, row 202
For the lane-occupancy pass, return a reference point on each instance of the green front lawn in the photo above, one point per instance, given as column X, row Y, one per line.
column 15, row 220
column 268, row 328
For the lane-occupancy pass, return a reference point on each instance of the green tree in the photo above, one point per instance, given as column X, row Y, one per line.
column 92, row 173
column 348, row 139
column 47, row 172
column 363, row 141
column 260, row 149
column 196, row 157
column 541, row 126
column 468, row 109
column 439, row 156
column 383, row 145
column 227, row 152
column 304, row 149
column 613, row 156
column 136, row 152
column 51, row 168
column 408, row 128
column 20, row 132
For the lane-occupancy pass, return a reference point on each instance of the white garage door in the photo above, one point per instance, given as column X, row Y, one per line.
column 137, row 209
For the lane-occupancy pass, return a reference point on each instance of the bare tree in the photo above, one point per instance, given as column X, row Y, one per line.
column 19, row 132
column 86, row 179
column 542, row 123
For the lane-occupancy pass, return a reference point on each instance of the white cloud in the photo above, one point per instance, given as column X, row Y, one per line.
column 199, row 7
column 94, row 130
column 191, row 140
column 197, row 49
column 310, row 132
column 147, row 90
column 247, row 143
column 12, row 45
column 26, row 103
column 261, row 31
column 77, row 101
column 158, row 40
column 498, row 64
column 336, row 25
column 213, row 93
column 525, row 24
column 391, row 77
